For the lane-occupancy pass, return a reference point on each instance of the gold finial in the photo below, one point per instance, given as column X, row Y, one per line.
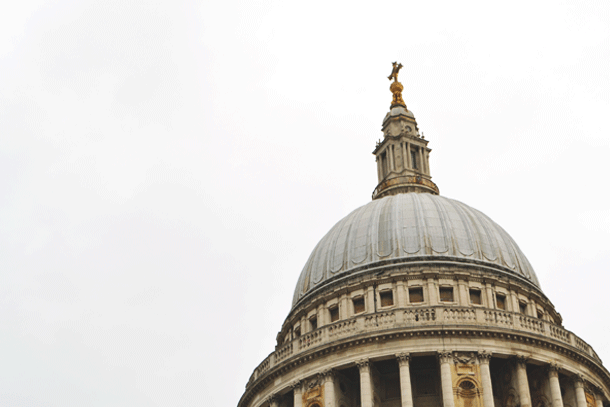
column 396, row 87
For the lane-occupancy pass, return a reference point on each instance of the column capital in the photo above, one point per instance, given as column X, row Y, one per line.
column 297, row 386
column 403, row 359
column 328, row 375
column 599, row 392
column 445, row 357
column 553, row 369
column 273, row 399
column 578, row 380
column 484, row 357
column 520, row 360
column 363, row 365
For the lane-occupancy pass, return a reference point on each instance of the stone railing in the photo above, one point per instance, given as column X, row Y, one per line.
column 423, row 317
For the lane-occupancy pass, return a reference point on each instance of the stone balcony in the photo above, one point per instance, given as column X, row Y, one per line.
column 430, row 318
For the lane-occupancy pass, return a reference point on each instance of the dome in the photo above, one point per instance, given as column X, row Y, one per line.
column 415, row 299
column 408, row 228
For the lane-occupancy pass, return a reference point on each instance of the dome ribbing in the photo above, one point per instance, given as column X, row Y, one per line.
column 411, row 227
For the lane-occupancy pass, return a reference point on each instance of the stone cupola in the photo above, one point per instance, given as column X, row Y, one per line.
column 403, row 154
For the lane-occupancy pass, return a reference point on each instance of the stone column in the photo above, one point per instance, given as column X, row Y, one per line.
column 599, row 402
column 599, row 394
column 405, row 380
column 329, row 388
column 446, row 359
column 579, row 390
column 405, row 159
column 379, row 171
column 422, row 168
column 273, row 400
column 524, row 388
column 409, row 163
column 391, row 156
column 488, row 397
column 556, row 400
column 366, row 389
column 297, row 390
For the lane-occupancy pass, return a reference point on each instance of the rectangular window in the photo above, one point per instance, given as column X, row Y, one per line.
column 540, row 313
column 297, row 332
column 313, row 321
column 416, row 294
column 475, row 296
column 501, row 301
column 358, row 305
column 334, row 313
column 446, row 294
column 387, row 298
column 522, row 307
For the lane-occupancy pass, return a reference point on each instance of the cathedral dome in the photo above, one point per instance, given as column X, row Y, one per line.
column 407, row 228
column 419, row 300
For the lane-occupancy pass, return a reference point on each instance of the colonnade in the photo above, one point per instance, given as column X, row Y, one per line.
column 446, row 359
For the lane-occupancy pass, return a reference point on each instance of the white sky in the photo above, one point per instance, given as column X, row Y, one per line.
column 167, row 167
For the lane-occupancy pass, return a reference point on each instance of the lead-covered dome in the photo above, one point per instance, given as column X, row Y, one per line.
column 411, row 227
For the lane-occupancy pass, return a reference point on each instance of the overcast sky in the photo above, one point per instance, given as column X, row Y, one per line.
column 167, row 167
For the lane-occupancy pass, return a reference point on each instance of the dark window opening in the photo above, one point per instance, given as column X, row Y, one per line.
column 313, row 321
column 358, row 305
column 522, row 307
column 540, row 314
column 416, row 294
column 501, row 301
column 387, row 298
column 425, row 380
column 446, row 294
column 297, row 332
column 334, row 314
column 475, row 296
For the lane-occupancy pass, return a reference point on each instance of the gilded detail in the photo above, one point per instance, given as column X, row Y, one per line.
column 396, row 87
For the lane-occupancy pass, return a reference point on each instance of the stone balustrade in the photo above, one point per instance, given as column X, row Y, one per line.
column 424, row 317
